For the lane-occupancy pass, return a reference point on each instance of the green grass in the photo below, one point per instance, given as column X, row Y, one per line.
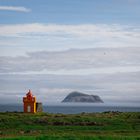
column 84, row 126
column 72, row 138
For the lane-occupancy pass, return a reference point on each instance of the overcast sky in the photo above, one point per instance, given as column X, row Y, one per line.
column 54, row 47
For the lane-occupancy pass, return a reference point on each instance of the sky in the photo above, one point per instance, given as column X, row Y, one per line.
column 54, row 47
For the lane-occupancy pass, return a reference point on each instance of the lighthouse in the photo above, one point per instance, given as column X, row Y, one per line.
column 29, row 103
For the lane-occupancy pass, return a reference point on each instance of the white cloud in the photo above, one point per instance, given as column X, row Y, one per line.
column 36, row 37
column 53, row 94
column 118, row 87
column 14, row 8
column 79, row 62
column 90, row 71
column 114, row 48
column 88, row 31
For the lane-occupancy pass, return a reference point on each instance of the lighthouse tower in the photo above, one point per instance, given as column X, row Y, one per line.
column 29, row 103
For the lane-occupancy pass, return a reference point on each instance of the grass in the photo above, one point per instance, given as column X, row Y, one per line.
column 71, row 138
column 84, row 126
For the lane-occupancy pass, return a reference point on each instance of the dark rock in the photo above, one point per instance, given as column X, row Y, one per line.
column 81, row 97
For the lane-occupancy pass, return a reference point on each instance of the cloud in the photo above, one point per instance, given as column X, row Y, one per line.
column 14, row 8
column 53, row 94
column 117, row 87
column 75, row 61
column 37, row 37
column 83, row 31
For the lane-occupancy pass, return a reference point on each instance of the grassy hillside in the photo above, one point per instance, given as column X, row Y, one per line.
column 84, row 126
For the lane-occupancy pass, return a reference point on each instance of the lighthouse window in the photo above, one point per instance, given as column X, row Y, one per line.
column 28, row 108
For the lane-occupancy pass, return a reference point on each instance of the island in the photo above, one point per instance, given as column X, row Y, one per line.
column 81, row 97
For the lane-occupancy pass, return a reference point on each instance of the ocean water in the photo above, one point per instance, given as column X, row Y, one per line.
column 72, row 109
column 88, row 109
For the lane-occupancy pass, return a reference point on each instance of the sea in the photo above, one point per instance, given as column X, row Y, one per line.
column 73, row 109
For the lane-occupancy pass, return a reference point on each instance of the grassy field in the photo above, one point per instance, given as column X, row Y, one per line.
column 84, row 126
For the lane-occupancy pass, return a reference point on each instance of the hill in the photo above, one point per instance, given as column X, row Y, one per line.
column 81, row 97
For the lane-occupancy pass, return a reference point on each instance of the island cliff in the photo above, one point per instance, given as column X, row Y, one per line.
column 81, row 97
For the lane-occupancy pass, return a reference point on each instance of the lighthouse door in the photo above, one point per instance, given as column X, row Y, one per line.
column 28, row 108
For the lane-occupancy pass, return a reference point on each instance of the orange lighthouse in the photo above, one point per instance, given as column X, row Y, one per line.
column 29, row 103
